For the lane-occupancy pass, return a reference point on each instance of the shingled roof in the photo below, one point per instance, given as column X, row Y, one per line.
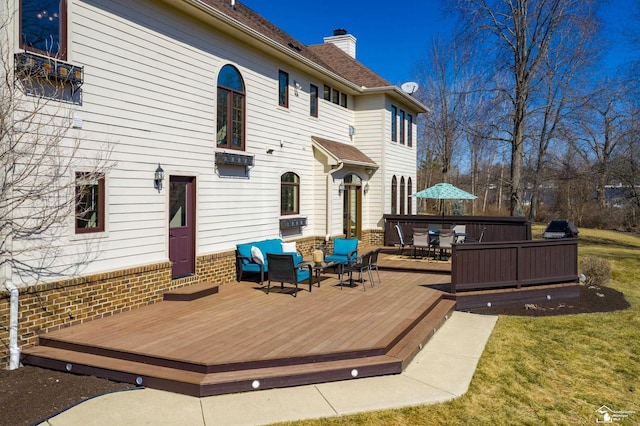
column 343, row 153
column 327, row 55
column 346, row 66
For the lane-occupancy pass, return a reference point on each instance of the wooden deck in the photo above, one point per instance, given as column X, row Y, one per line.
column 240, row 339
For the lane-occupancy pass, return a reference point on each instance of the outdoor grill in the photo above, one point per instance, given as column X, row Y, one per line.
column 560, row 229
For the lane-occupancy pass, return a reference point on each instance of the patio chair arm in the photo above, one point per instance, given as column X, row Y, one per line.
column 353, row 254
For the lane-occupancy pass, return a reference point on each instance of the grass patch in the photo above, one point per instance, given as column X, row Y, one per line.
column 549, row 370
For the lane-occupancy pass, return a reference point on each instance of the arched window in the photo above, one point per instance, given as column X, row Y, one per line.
column 409, row 197
column 231, row 109
column 394, row 195
column 289, row 193
column 402, row 200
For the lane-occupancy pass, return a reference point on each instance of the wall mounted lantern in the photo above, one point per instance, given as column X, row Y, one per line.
column 366, row 188
column 340, row 188
column 158, row 178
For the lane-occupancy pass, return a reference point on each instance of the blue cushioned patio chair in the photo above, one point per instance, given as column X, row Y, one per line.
column 345, row 251
column 282, row 268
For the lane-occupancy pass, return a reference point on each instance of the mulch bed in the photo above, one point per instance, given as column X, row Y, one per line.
column 592, row 299
column 30, row 394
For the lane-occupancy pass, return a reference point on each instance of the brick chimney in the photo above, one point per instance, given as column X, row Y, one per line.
column 343, row 40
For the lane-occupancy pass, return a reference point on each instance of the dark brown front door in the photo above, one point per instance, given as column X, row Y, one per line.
column 182, row 196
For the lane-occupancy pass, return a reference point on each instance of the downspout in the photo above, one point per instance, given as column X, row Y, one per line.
column 329, row 198
column 14, row 306
column 14, row 349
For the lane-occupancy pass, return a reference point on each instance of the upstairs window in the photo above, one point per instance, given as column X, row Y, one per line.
column 289, row 193
column 231, row 109
column 43, row 27
column 327, row 93
column 343, row 100
column 313, row 100
column 409, row 130
column 283, row 89
column 402, row 127
column 394, row 123
column 335, row 98
column 89, row 203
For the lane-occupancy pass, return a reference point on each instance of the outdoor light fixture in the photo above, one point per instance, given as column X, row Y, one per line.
column 341, row 188
column 366, row 188
column 158, row 178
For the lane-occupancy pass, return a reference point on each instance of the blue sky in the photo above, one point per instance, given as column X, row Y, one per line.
column 393, row 35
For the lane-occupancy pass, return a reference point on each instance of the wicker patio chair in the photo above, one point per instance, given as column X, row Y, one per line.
column 283, row 269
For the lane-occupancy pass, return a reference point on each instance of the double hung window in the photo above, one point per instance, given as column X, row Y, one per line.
column 89, row 203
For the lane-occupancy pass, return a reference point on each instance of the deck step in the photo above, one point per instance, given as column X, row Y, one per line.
column 201, row 384
column 190, row 292
column 175, row 378
column 414, row 340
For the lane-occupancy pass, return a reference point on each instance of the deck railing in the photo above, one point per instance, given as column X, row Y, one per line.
column 515, row 264
column 496, row 228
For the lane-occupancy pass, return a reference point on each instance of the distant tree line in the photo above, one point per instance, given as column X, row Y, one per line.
column 525, row 115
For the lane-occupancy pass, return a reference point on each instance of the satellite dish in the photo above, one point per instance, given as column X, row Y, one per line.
column 409, row 87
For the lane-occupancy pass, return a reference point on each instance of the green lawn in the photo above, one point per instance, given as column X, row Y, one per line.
column 549, row 370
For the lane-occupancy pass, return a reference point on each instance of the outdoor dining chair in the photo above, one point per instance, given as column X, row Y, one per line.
column 403, row 241
column 374, row 262
column 283, row 269
column 460, row 232
column 421, row 241
column 362, row 265
column 445, row 241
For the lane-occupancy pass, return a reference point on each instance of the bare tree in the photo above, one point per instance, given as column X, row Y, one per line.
column 447, row 81
column 601, row 126
column 522, row 32
column 40, row 155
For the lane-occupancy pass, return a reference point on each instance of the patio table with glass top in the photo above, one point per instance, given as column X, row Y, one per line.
column 318, row 267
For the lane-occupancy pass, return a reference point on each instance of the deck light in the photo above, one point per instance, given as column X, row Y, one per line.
column 158, row 178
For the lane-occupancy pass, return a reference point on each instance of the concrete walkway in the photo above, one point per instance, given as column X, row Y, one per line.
column 441, row 371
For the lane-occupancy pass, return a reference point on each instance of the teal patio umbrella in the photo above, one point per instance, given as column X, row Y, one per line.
column 444, row 191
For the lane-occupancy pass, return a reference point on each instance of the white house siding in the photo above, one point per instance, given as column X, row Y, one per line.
column 370, row 136
column 149, row 93
column 400, row 159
